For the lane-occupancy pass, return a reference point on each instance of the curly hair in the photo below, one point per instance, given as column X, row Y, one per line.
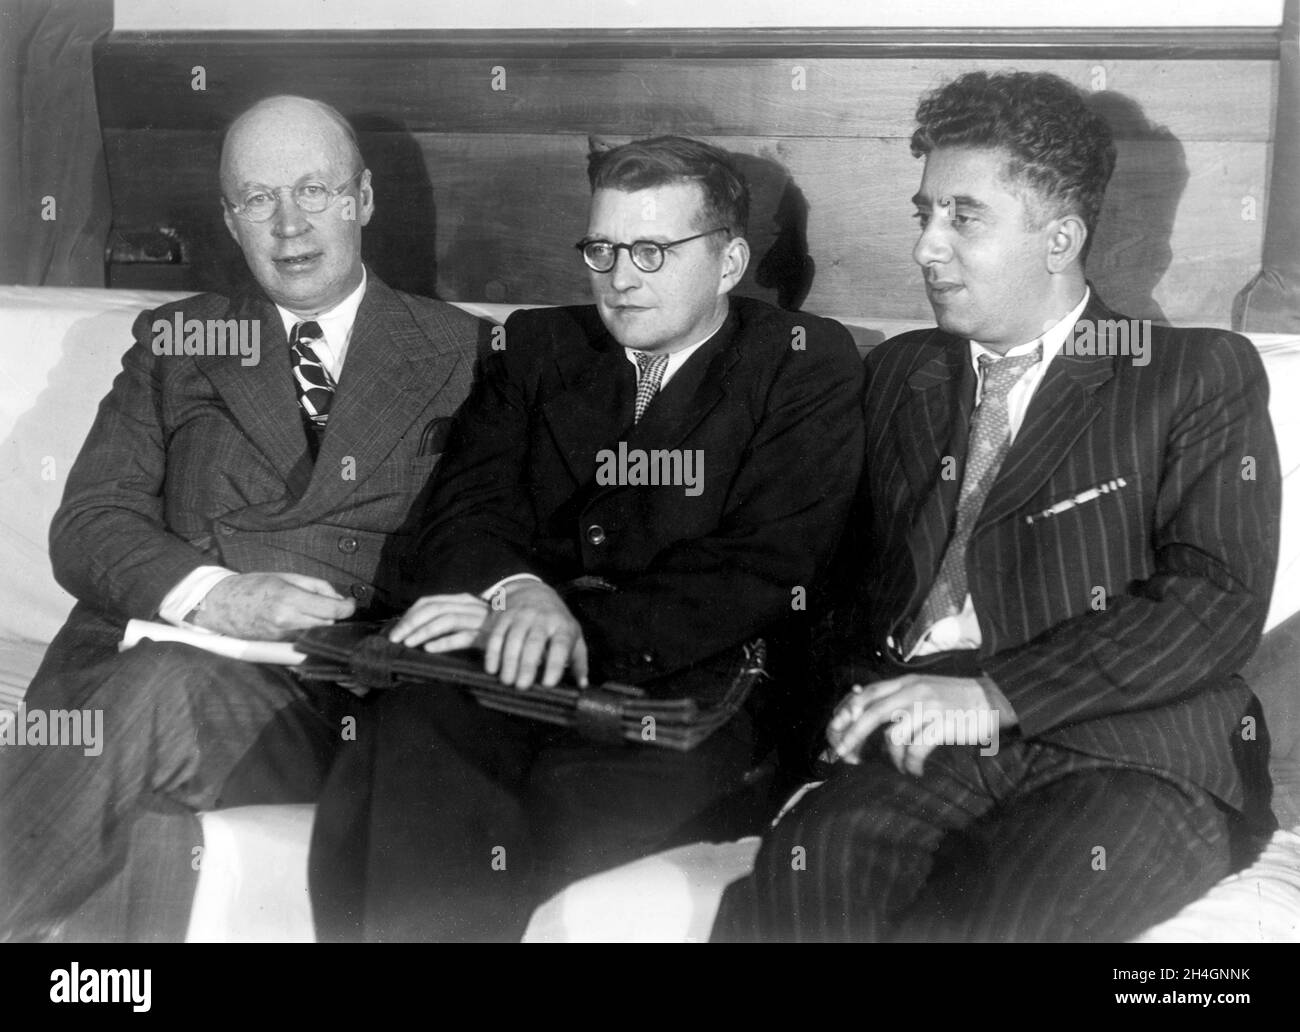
column 1056, row 145
column 643, row 164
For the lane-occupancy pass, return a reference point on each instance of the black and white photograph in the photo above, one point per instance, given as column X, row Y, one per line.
column 676, row 472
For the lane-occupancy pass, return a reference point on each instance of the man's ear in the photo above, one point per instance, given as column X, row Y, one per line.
column 1065, row 240
column 735, row 260
column 367, row 195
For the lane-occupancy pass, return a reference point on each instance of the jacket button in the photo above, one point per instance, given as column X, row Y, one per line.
column 361, row 592
column 225, row 529
column 596, row 534
column 646, row 657
column 347, row 544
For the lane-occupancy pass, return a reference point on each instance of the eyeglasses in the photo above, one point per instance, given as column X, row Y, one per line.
column 261, row 202
column 647, row 255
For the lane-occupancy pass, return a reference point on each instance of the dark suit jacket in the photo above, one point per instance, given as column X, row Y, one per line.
column 772, row 402
column 1185, row 552
column 203, row 460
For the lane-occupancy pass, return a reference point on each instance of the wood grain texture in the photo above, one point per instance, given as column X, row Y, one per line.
column 482, row 217
column 481, row 192
column 150, row 87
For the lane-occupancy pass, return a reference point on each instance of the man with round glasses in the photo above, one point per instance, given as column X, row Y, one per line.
column 547, row 554
column 249, row 499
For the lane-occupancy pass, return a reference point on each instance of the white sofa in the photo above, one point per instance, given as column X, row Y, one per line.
column 59, row 351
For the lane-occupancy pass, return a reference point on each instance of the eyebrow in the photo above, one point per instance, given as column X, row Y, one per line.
column 597, row 238
column 960, row 200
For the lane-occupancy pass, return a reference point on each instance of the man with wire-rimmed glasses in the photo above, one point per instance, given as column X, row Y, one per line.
column 253, row 500
column 562, row 535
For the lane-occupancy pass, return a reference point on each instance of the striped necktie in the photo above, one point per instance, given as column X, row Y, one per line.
column 990, row 440
column 650, row 370
column 315, row 385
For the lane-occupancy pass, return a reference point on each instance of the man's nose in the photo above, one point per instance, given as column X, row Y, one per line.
column 289, row 220
column 932, row 246
column 624, row 275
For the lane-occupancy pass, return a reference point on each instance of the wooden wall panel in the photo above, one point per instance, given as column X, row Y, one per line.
column 150, row 87
column 481, row 193
column 493, row 217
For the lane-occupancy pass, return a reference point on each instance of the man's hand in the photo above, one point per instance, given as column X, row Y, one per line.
column 271, row 606
column 442, row 623
column 895, row 702
column 534, row 623
column 529, row 623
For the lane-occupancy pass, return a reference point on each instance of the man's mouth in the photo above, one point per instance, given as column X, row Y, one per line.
column 941, row 289
column 297, row 262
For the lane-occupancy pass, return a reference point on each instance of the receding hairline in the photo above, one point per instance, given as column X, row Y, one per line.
column 330, row 113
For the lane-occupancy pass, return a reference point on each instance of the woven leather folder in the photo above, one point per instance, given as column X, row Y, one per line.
column 360, row 654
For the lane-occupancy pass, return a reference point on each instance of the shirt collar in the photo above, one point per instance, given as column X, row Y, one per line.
column 1052, row 340
column 336, row 324
column 678, row 358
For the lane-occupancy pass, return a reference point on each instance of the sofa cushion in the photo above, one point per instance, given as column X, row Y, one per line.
column 253, row 879
column 60, row 350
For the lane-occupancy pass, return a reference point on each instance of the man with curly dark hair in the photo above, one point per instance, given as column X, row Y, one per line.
column 1065, row 551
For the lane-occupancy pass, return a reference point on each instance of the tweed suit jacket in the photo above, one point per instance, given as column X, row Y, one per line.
column 662, row 579
column 197, row 460
column 1114, row 625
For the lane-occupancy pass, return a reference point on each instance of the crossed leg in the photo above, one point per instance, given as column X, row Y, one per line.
column 1034, row 844
column 103, row 846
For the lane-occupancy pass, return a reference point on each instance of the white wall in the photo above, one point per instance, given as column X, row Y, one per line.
column 530, row 14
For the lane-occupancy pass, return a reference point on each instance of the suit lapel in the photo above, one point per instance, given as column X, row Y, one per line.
column 931, row 427
column 387, row 381
column 934, row 411
column 261, row 397
column 692, row 393
column 596, row 411
column 1061, row 410
column 596, row 408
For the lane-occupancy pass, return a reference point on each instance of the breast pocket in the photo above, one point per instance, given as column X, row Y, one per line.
column 420, row 468
column 1085, row 541
column 433, row 438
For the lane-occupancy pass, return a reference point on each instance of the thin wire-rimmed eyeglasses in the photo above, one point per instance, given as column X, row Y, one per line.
column 646, row 255
column 259, row 203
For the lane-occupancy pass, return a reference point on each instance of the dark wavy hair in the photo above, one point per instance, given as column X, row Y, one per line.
column 1056, row 145
column 643, row 164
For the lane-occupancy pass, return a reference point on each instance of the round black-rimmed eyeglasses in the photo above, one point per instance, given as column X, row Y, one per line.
column 647, row 255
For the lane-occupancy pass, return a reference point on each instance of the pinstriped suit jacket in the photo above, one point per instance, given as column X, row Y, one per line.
column 1116, row 626
column 203, row 460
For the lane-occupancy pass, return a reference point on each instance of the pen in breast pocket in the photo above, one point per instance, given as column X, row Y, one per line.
column 1079, row 499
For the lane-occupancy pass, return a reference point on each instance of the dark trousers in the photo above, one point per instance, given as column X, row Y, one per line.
column 447, row 821
column 1034, row 843
column 107, row 847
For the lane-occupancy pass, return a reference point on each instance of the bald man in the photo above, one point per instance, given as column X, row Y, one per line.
column 255, row 470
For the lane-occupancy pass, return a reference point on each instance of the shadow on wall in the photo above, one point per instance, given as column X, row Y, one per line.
column 400, row 244
column 778, row 234
column 1132, row 252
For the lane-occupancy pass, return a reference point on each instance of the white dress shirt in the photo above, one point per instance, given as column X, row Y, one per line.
column 963, row 630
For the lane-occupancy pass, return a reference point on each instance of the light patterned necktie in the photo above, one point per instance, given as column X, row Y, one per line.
column 990, row 440
column 315, row 385
column 651, row 369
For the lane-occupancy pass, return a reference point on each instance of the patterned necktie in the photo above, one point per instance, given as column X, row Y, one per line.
column 315, row 385
column 990, row 440
column 651, row 369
